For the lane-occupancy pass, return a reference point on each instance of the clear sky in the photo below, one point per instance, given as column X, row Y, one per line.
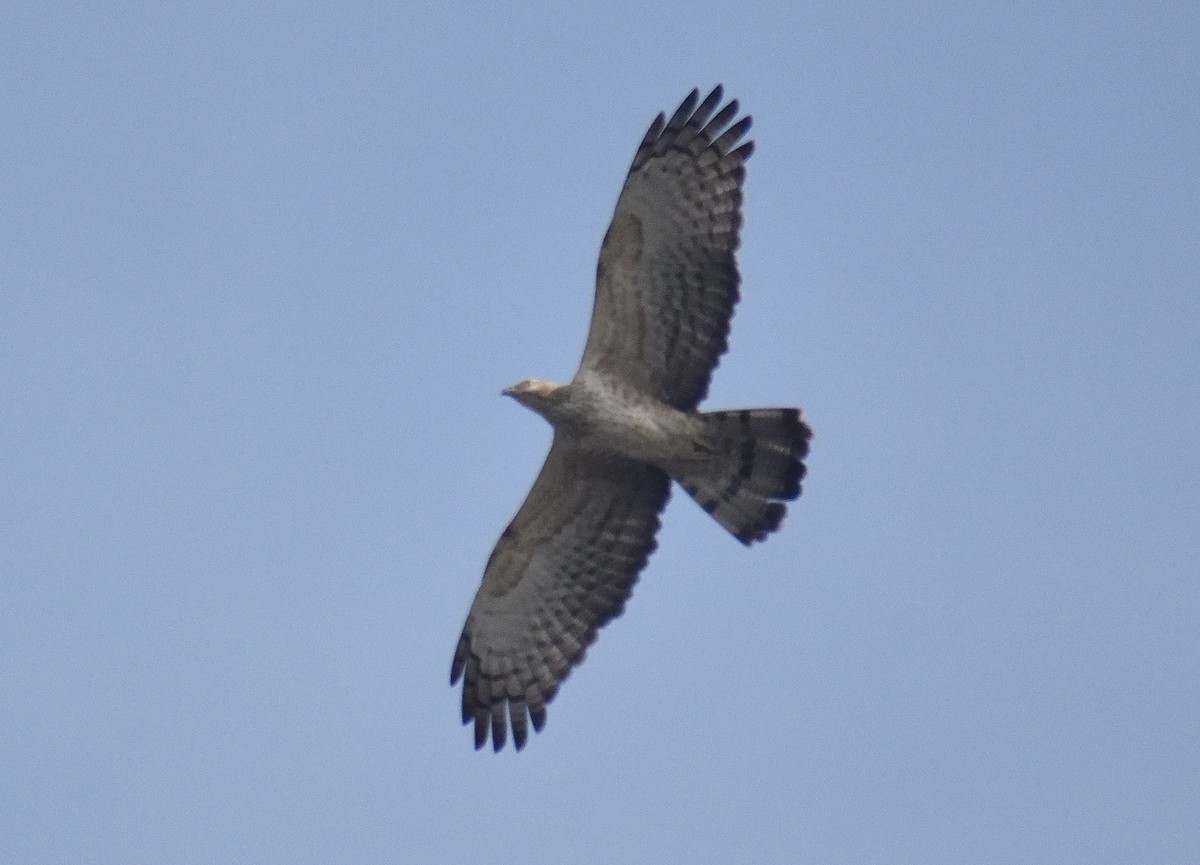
column 265, row 268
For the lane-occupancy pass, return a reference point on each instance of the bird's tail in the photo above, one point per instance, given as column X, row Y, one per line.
column 757, row 464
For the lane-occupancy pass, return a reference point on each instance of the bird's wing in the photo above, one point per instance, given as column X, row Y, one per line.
column 561, row 570
column 667, row 280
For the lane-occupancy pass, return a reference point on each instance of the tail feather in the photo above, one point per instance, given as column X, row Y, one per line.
column 757, row 464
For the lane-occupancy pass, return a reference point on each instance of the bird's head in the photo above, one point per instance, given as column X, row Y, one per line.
column 537, row 394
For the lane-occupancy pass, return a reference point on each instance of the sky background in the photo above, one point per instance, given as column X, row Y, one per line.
column 265, row 268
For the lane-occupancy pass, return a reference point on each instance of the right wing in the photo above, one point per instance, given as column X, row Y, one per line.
column 561, row 570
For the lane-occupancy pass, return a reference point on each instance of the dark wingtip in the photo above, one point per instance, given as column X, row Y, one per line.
column 685, row 109
column 739, row 129
column 710, row 103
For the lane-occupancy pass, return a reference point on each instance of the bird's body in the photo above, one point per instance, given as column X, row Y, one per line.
column 627, row 425
column 606, row 418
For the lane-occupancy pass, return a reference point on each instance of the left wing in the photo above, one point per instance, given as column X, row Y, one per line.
column 667, row 280
column 561, row 570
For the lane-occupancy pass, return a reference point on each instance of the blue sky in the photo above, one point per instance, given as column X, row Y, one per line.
column 267, row 267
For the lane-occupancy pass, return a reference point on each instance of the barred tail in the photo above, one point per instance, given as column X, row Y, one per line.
column 757, row 464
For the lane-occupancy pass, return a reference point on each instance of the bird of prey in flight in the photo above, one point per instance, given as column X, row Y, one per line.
column 627, row 425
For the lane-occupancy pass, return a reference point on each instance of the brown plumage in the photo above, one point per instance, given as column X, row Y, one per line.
column 626, row 425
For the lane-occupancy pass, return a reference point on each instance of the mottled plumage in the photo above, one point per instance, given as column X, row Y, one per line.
column 626, row 425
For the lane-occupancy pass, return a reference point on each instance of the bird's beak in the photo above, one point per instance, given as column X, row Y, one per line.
column 508, row 391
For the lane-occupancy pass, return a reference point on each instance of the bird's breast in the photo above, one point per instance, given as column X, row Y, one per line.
column 607, row 420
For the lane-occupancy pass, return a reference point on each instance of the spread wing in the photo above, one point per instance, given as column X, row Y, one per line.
column 667, row 280
column 562, row 569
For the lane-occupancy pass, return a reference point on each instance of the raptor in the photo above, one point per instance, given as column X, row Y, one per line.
column 627, row 425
